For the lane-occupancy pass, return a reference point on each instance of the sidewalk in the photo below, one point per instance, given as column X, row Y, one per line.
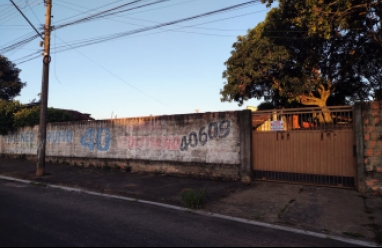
column 339, row 212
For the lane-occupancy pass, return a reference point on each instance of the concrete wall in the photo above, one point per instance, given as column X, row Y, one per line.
column 369, row 146
column 208, row 145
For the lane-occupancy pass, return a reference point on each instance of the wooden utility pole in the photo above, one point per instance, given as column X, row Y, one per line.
column 44, row 92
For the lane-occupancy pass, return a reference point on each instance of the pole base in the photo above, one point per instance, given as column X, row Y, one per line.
column 40, row 172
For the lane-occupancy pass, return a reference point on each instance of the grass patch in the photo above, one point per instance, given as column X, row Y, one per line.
column 193, row 199
column 34, row 184
column 353, row 235
column 257, row 217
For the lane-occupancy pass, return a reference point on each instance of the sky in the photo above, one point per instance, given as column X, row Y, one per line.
column 176, row 69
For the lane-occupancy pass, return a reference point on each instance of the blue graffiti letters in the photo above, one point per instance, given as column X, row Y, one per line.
column 56, row 136
column 103, row 139
column 100, row 139
column 25, row 137
column 87, row 140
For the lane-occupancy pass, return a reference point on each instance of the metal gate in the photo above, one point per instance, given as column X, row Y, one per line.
column 308, row 146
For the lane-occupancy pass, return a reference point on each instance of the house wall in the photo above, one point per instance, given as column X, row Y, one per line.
column 205, row 145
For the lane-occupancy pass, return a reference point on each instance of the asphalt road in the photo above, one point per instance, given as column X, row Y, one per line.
column 39, row 216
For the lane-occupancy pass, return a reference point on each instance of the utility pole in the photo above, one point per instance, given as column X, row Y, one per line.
column 44, row 92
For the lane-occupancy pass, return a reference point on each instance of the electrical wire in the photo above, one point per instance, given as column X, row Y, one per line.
column 64, row 48
column 119, row 78
column 26, row 18
column 34, row 13
column 97, row 40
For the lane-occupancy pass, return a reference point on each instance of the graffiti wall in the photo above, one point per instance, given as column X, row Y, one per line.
column 203, row 138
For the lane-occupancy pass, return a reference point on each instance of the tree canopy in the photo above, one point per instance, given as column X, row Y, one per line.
column 7, row 110
column 10, row 82
column 14, row 115
column 314, row 52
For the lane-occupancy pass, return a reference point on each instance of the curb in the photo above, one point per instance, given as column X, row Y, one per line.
column 204, row 213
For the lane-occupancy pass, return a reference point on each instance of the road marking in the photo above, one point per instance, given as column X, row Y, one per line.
column 204, row 213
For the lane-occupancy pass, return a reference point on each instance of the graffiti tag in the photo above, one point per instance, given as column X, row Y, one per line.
column 154, row 143
column 59, row 136
column 212, row 131
column 99, row 139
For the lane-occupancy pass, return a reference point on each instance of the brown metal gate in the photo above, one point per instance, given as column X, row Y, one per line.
column 295, row 146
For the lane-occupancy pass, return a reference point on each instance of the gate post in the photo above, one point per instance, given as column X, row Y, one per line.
column 245, row 124
column 358, row 129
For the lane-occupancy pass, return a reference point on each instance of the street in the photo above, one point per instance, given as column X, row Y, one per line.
column 31, row 215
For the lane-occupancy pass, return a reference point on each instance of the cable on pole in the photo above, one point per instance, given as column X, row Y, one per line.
column 26, row 18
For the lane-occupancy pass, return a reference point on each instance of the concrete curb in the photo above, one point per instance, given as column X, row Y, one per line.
column 203, row 213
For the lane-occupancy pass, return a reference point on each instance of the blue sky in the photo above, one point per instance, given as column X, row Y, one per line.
column 172, row 70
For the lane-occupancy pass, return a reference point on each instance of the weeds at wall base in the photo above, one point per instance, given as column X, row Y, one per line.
column 193, row 199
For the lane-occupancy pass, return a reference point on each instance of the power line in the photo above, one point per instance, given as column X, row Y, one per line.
column 105, row 38
column 97, row 40
column 116, row 76
column 33, row 13
column 26, row 19
column 65, row 48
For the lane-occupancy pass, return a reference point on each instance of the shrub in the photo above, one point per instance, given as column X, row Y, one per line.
column 29, row 117
column 7, row 110
column 193, row 199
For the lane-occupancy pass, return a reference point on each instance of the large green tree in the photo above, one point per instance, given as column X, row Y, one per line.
column 7, row 110
column 313, row 52
column 10, row 82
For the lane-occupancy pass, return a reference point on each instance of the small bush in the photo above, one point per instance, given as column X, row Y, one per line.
column 128, row 168
column 193, row 199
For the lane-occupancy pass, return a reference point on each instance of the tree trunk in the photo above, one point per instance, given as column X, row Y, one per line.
column 324, row 117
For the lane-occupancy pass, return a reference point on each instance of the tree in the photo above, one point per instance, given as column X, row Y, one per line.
column 7, row 110
column 287, row 57
column 10, row 83
column 31, row 117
